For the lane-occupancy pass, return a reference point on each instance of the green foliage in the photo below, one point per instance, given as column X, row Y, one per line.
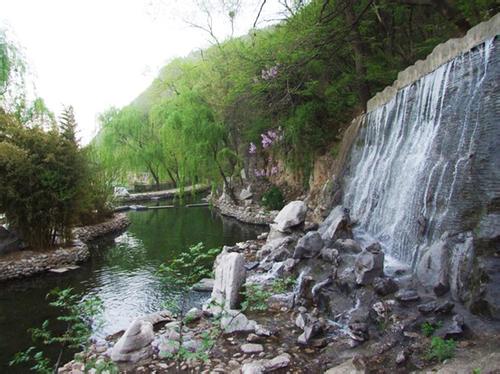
column 273, row 199
column 282, row 285
column 256, row 297
column 77, row 316
column 441, row 349
column 429, row 328
column 309, row 74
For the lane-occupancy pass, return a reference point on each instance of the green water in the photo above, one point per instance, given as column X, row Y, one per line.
column 121, row 272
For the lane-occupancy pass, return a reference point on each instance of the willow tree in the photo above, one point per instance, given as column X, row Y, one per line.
column 130, row 141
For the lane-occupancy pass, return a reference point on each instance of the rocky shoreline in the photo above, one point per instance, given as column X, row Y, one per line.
column 248, row 213
column 321, row 302
column 157, row 195
column 25, row 263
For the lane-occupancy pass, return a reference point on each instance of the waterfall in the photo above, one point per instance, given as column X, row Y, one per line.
column 428, row 161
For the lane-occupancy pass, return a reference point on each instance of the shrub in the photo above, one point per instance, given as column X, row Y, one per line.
column 273, row 198
column 255, row 298
column 429, row 328
column 441, row 349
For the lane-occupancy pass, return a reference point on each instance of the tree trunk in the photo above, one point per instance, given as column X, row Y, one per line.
column 359, row 50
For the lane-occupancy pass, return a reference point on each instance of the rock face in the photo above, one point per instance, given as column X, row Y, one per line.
column 230, row 274
column 293, row 214
column 433, row 269
column 369, row 264
column 309, row 245
column 135, row 344
column 336, row 226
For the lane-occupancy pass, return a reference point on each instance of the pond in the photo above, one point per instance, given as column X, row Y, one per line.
column 122, row 272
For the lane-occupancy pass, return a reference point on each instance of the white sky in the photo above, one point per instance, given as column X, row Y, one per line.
column 93, row 54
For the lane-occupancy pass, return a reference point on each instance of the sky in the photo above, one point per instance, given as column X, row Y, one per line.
column 93, row 54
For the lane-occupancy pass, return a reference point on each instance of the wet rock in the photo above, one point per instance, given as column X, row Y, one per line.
column 309, row 245
column 293, row 214
column 318, row 287
column 235, row 321
column 279, row 254
column 427, row 308
column 304, row 289
column 369, row 264
column 347, row 246
column 407, row 295
column 433, row 270
column 251, row 348
column 384, row 286
column 336, row 226
column 135, row 344
column 289, row 265
column 230, row 275
column 279, row 301
column 311, row 330
column 358, row 331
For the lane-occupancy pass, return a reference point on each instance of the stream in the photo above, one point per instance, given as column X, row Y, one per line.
column 121, row 272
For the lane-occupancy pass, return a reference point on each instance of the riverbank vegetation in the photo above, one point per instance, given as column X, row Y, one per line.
column 48, row 183
column 274, row 99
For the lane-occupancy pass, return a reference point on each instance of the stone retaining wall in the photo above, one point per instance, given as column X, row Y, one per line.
column 29, row 263
column 23, row 264
column 252, row 214
column 87, row 233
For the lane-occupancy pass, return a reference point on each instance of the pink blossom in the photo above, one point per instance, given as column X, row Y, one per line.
column 252, row 149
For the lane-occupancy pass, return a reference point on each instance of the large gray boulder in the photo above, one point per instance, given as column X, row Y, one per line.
column 135, row 344
column 309, row 245
column 336, row 226
column 230, row 275
column 293, row 214
column 433, row 268
column 234, row 321
column 369, row 264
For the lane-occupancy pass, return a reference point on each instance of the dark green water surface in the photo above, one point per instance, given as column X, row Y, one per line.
column 121, row 272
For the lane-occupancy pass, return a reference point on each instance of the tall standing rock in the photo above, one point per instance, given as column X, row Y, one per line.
column 230, row 275
column 369, row 264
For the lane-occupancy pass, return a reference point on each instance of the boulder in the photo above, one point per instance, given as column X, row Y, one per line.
column 451, row 329
column 274, row 233
column 266, row 366
column 311, row 330
column 347, row 246
column 407, row 295
column 282, row 300
column 230, row 275
column 293, row 214
column 384, row 286
column 336, row 226
column 309, row 245
column 121, row 192
column 135, row 344
column 330, row 255
column 235, row 321
column 369, row 264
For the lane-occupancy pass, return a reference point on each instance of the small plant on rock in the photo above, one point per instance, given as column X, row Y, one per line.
column 256, row 297
column 429, row 328
column 282, row 285
column 441, row 349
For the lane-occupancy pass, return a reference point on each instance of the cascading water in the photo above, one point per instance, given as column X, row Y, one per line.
column 428, row 161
